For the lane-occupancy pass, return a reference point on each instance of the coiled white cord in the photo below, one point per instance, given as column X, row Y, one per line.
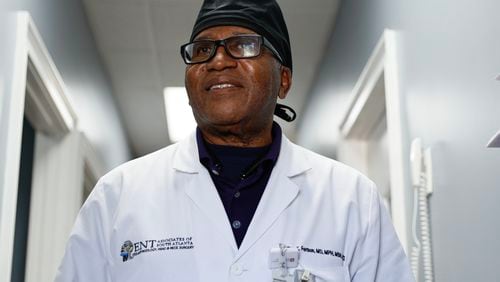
column 425, row 233
column 415, row 250
column 421, row 212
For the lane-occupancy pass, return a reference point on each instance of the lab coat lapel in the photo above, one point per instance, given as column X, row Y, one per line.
column 204, row 195
column 201, row 190
column 280, row 192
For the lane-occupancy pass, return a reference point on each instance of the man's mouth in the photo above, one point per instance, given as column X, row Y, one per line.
column 221, row 86
column 222, row 83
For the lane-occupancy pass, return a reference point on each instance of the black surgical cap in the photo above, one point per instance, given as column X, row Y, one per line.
column 262, row 16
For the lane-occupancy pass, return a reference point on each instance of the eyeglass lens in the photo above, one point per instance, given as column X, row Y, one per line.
column 237, row 47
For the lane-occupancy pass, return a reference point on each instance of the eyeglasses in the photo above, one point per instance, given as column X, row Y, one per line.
column 238, row 47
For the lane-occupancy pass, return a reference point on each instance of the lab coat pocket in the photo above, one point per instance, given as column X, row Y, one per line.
column 325, row 268
column 334, row 274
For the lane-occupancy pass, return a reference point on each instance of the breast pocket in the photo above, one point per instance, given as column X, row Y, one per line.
column 324, row 268
column 335, row 274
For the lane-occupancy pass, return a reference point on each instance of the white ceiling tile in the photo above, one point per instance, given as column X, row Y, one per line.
column 120, row 25
column 172, row 23
column 144, row 117
column 303, row 6
column 172, row 69
column 128, row 90
column 196, row 3
column 137, row 67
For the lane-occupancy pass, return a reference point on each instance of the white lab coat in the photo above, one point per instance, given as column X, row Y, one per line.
column 167, row 206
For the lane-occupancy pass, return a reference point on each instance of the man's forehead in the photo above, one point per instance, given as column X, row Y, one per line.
column 223, row 30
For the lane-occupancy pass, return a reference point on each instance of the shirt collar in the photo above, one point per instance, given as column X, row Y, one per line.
column 210, row 161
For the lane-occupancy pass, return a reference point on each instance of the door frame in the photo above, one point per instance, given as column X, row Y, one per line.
column 365, row 107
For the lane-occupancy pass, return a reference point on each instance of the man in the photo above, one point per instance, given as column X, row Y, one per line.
column 236, row 201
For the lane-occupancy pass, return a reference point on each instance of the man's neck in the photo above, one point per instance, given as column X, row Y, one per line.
column 237, row 138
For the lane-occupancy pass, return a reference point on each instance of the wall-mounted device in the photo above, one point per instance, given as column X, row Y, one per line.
column 494, row 141
column 421, row 171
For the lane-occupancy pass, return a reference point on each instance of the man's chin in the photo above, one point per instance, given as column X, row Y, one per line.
column 225, row 123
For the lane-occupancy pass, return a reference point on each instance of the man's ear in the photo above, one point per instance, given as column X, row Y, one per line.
column 286, row 82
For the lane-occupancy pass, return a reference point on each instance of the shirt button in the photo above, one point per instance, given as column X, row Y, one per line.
column 237, row 194
column 237, row 269
column 236, row 224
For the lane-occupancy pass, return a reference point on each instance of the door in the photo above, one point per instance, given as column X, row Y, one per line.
column 23, row 202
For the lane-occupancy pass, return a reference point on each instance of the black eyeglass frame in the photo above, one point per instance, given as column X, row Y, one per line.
column 222, row 42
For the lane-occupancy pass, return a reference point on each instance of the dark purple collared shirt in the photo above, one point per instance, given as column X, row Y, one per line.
column 240, row 176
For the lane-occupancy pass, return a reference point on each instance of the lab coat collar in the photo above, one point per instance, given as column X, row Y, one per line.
column 186, row 158
column 291, row 162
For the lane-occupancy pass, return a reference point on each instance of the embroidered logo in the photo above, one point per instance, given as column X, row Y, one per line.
column 323, row 252
column 127, row 250
column 130, row 249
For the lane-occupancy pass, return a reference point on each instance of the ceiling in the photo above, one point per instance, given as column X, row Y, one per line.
column 139, row 43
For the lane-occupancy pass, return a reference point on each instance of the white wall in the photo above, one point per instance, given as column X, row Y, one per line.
column 6, row 50
column 7, row 36
column 449, row 56
column 65, row 31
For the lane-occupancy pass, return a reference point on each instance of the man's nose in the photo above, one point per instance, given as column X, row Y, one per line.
column 221, row 60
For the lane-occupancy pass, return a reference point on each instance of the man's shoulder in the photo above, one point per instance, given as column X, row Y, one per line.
column 335, row 182
column 321, row 162
column 141, row 166
column 322, row 167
